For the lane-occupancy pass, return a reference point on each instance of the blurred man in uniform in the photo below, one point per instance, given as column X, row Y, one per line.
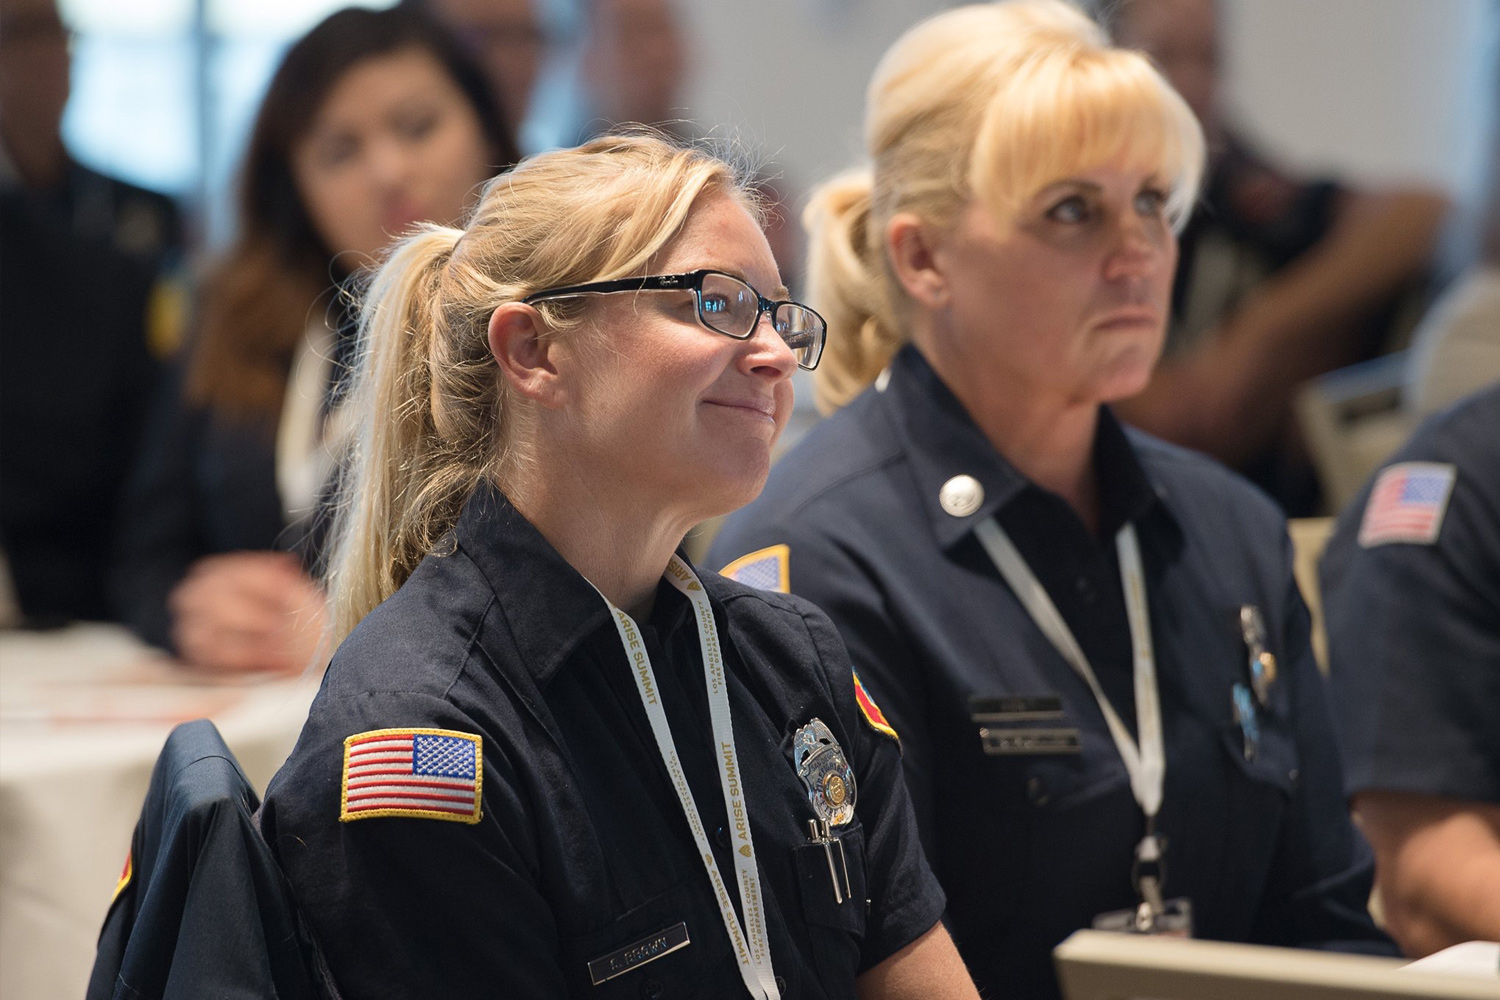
column 1411, row 593
column 79, row 258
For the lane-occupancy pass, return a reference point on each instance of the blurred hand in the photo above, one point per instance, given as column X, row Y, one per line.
column 247, row 611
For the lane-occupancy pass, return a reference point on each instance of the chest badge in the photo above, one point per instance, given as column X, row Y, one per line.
column 829, row 778
column 831, row 789
column 1262, row 662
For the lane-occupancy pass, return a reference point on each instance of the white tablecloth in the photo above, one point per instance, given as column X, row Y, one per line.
column 83, row 714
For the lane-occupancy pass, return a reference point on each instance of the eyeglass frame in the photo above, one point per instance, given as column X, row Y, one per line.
column 690, row 281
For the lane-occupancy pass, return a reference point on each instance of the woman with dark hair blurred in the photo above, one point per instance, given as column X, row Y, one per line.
column 374, row 121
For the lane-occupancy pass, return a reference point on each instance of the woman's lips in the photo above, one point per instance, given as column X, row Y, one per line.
column 762, row 407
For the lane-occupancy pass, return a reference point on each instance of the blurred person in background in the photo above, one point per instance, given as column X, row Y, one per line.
column 375, row 120
column 81, row 260
column 1281, row 277
column 1089, row 642
column 634, row 64
column 508, row 37
column 1411, row 596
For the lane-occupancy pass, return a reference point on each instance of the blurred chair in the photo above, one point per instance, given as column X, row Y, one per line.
column 1352, row 420
column 1309, row 535
column 202, row 908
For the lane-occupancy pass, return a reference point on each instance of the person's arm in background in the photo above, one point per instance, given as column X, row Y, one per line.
column 1227, row 396
column 1439, row 863
column 222, row 612
column 1414, row 647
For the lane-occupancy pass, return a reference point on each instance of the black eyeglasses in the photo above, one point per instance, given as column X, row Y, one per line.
column 726, row 305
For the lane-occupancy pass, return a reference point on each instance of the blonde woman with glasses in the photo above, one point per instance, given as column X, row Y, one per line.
column 550, row 758
column 1089, row 642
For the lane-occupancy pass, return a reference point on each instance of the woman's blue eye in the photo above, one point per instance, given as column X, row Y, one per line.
column 1073, row 209
column 1150, row 202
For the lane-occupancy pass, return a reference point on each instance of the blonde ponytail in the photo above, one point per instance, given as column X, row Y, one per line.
column 844, row 265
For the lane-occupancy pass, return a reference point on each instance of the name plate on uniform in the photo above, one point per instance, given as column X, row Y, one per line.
column 1015, row 708
column 634, row 955
column 1005, row 742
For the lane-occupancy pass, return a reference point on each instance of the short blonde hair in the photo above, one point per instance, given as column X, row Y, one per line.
column 432, row 417
column 992, row 101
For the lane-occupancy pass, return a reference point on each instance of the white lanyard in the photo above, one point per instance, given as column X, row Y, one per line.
column 1147, row 763
column 751, row 945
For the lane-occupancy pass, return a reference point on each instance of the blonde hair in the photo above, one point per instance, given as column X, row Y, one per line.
column 993, row 101
column 432, row 415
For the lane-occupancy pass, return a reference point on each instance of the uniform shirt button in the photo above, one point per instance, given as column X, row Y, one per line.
column 1036, row 791
column 652, row 989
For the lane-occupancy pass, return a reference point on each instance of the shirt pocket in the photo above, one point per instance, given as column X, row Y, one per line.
column 836, row 930
column 639, row 955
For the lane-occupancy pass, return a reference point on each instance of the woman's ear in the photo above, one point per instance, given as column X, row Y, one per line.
column 912, row 245
column 525, row 358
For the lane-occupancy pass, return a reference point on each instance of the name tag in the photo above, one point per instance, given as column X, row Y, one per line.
column 1005, row 742
column 1015, row 708
column 634, row 955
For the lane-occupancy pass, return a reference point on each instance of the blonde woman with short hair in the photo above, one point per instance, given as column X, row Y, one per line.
column 1089, row 641
column 550, row 758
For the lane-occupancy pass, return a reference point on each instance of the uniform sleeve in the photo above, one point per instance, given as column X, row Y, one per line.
column 1414, row 650
column 834, row 579
column 905, row 898
column 1318, row 891
column 407, row 906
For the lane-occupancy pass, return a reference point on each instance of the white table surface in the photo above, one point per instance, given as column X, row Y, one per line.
column 83, row 714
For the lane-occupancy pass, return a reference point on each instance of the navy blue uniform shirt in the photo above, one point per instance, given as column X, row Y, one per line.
column 1033, row 847
column 1414, row 621
column 582, row 848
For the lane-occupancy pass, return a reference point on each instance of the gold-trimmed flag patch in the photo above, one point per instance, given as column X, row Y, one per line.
column 422, row 773
column 764, row 569
column 871, row 711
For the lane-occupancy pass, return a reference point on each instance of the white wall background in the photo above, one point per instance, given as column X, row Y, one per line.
column 1373, row 90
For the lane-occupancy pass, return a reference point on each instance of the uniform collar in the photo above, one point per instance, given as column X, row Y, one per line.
column 550, row 607
column 941, row 442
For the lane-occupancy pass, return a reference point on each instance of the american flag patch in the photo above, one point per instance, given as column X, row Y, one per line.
column 763, row 569
column 428, row 773
column 1407, row 504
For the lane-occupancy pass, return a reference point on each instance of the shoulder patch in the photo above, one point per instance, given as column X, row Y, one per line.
column 1407, row 504
column 763, row 569
column 126, row 874
column 871, row 711
column 423, row 773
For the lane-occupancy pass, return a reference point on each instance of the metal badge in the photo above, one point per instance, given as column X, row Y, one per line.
column 829, row 778
column 1262, row 662
column 830, row 788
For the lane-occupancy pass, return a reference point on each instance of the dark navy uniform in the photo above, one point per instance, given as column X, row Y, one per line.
column 1031, row 847
column 581, row 849
column 1411, row 593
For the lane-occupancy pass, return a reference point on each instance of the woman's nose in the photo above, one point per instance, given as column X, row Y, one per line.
column 768, row 353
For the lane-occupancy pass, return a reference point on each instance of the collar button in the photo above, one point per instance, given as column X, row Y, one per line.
column 961, row 496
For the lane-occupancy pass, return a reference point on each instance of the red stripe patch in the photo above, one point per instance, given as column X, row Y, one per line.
column 871, row 711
